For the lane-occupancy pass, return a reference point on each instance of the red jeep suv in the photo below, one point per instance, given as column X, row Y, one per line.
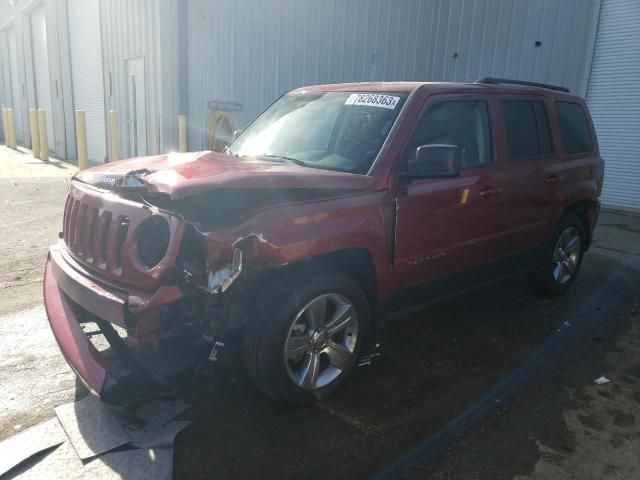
column 336, row 206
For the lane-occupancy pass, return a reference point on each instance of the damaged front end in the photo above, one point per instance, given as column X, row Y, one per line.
column 139, row 296
column 214, row 277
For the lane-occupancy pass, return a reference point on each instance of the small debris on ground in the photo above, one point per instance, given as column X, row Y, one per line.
column 601, row 380
column 368, row 359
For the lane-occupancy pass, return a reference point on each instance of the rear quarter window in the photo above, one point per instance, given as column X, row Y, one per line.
column 576, row 134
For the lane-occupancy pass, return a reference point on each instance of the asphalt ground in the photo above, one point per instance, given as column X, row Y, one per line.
column 494, row 384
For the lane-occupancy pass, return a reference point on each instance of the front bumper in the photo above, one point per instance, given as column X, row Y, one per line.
column 66, row 284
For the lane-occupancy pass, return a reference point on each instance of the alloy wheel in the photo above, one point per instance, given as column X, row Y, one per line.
column 321, row 341
column 566, row 255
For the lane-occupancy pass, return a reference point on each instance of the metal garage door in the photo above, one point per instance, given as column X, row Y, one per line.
column 86, row 72
column 613, row 97
column 41, row 68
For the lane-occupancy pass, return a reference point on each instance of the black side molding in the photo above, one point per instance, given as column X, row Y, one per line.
column 498, row 81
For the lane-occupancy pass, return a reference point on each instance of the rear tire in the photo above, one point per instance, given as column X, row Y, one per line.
column 563, row 257
column 307, row 331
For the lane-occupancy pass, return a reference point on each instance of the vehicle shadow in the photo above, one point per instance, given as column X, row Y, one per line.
column 433, row 364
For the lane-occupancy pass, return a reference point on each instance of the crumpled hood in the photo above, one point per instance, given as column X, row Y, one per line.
column 181, row 175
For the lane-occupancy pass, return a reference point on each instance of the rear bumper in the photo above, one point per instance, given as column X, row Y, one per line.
column 65, row 285
column 596, row 213
column 593, row 214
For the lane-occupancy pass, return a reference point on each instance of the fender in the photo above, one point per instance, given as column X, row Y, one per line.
column 582, row 185
column 288, row 234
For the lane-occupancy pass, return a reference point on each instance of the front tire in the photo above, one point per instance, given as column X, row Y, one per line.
column 563, row 257
column 306, row 334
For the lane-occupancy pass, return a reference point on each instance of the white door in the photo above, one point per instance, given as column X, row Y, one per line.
column 16, row 104
column 137, row 107
column 41, row 68
column 613, row 98
column 86, row 72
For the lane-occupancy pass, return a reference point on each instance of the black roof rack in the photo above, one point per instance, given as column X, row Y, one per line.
column 498, row 81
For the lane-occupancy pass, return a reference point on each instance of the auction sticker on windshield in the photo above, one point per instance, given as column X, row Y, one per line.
column 372, row 99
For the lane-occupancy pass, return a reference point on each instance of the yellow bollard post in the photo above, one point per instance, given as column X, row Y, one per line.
column 115, row 135
column 44, row 136
column 5, row 131
column 35, row 136
column 81, row 139
column 182, row 133
column 11, row 127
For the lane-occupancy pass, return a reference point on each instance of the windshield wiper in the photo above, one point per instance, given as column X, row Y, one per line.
column 283, row 159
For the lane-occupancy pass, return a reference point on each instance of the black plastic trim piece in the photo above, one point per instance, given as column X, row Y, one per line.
column 507, row 81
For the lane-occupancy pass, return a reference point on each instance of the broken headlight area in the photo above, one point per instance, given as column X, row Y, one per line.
column 198, row 275
column 217, row 277
column 219, row 281
column 208, row 266
column 191, row 266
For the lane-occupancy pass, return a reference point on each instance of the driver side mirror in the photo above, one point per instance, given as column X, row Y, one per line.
column 433, row 161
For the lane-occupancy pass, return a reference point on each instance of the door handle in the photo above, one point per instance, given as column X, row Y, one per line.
column 553, row 179
column 488, row 192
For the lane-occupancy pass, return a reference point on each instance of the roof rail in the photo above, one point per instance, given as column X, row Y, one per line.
column 498, row 81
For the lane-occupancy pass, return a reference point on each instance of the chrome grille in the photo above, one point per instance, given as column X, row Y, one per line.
column 95, row 236
column 99, row 230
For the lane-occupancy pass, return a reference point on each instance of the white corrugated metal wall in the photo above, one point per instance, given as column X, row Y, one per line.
column 252, row 51
column 614, row 100
column 42, row 72
column 131, row 28
column 41, row 62
column 13, row 91
column 86, row 67
column 12, row 88
column 16, row 91
column 5, row 79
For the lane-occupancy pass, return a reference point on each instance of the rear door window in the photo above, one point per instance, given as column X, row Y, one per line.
column 527, row 128
column 574, row 126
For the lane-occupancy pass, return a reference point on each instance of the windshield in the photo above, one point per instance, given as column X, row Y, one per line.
column 333, row 130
